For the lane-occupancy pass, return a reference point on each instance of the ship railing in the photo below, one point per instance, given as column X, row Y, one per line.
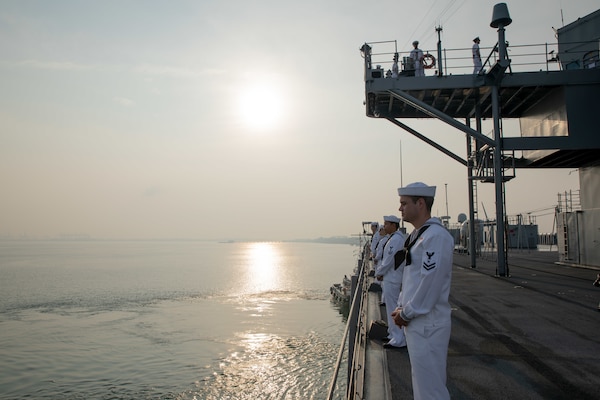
column 459, row 61
column 354, row 333
column 569, row 201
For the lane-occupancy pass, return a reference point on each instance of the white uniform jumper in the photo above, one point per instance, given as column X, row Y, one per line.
column 378, row 257
column 374, row 241
column 424, row 299
column 392, row 283
column 417, row 56
column 476, row 59
column 395, row 69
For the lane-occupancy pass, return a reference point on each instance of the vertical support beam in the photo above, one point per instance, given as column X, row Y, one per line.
column 478, row 145
column 439, row 51
column 499, row 20
column 472, row 238
column 502, row 54
column 498, row 182
column 478, row 127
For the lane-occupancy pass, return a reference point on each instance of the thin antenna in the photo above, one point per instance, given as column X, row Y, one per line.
column 438, row 29
column 562, row 20
column 446, row 199
column 401, row 183
column 446, row 218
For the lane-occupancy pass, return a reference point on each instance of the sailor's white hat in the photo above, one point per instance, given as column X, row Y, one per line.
column 374, row 223
column 417, row 189
column 391, row 218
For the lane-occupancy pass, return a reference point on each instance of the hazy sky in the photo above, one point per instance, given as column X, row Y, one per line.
column 230, row 119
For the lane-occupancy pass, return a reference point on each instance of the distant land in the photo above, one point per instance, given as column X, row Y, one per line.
column 351, row 240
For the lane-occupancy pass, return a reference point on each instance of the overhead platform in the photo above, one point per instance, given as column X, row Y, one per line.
column 558, row 110
column 458, row 96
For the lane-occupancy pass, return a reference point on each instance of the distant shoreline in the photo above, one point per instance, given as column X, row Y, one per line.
column 326, row 240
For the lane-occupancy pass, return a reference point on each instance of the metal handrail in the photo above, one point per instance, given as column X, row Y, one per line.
column 358, row 356
column 525, row 57
column 345, row 337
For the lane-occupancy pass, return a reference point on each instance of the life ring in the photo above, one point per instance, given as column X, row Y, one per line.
column 428, row 61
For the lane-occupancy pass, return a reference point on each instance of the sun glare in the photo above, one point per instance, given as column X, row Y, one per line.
column 261, row 106
column 262, row 267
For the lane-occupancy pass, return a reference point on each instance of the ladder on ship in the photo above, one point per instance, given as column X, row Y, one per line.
column 476, row 237
column 565, row 233
column 484, row 166
column 475, row 207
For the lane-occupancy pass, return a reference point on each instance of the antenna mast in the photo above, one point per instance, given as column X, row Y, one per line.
column 438, row 29
column 401, row 183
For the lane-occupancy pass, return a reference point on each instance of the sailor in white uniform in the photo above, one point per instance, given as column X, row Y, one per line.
column 383, row 238
column 416, row 55
column 476, row 56
column 392, row 279
column 375, row 238
column 395, row 69
column 425, row 309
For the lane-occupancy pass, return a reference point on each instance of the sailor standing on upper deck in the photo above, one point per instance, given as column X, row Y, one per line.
column 425, row 309
column 416, row 55
column 395, row 69
column 476, row 56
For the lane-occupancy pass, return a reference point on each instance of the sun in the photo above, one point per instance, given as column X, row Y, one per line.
column 261, row 106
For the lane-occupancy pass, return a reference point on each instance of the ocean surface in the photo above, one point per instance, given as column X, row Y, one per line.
column 169, row 319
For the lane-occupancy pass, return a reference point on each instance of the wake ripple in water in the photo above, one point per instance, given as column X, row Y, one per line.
column 272, row 367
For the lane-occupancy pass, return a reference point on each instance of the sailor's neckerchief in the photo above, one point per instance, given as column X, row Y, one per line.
column 408, row 244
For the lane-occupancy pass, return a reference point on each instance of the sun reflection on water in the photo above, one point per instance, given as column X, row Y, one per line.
column 262, row 273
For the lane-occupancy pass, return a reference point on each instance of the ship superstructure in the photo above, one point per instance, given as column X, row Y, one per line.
column 557, row 106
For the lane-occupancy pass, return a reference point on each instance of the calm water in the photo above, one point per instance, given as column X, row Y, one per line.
column 169, row 320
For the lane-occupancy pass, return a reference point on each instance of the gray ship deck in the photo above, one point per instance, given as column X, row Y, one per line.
column 532, row 335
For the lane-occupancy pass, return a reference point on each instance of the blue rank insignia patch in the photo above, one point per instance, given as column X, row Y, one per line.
column 429, row 264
